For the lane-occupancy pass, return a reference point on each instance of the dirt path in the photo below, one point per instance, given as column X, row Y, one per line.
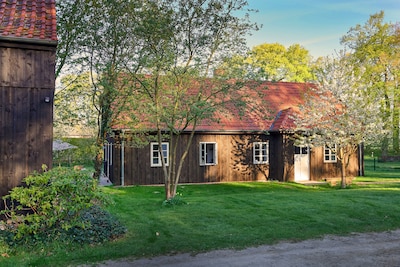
column 370, row 249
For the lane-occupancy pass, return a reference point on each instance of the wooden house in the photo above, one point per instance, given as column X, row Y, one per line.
column 28, row 43
column 256, row 147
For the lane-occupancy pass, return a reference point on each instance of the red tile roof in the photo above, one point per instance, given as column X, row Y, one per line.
column 270, row 107
column 282, row 121
column 30, row 19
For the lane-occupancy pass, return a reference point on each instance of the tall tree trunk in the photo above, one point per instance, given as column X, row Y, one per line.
column 104, row 119
column 101, row 136
column 98, row 160
column 172, row 181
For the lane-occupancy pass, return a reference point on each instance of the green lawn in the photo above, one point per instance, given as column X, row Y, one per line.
column 381, row 171
column 234, row 215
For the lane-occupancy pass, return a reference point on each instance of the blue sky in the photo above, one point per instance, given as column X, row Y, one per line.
column 317, row 25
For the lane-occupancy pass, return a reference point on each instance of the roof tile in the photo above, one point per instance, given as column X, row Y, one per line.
column 271, row 104
column 28, row 19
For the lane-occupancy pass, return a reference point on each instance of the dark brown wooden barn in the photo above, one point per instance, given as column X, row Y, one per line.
column 235, row 149
column 28, row 43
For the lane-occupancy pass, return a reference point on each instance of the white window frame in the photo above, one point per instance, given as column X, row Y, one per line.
column 260, row 152
column 204, row 153
column 155, row 154
column 330, row 154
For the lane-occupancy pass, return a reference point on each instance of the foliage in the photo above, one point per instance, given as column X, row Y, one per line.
column 375, row 57
column 70, row 14
column 177, row 200
column 49, row 203
column 336, row 113
column 83, row 154
column 99, row 48
column 74, row 111
column 101, row 227
column 277, row 63
column 271, row 62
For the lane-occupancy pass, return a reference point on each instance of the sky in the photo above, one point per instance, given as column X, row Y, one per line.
column 317, row 25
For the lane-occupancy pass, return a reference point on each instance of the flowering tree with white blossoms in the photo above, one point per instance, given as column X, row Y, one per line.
column 337, row 113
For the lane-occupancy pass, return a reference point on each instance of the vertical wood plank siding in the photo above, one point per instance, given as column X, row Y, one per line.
column 326, row 171
column 26, row 129
column 235, row 161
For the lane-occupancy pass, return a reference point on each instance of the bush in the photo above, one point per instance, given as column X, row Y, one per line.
column 52, row 204
column 102, row 226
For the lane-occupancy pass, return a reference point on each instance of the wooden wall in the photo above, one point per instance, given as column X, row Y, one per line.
column 327, row 171
column 235, row 162
column 27, row 82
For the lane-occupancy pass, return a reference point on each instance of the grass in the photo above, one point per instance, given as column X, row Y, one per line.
column 380, row 171
column 233, row 215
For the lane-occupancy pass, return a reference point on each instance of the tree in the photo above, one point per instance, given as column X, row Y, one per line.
column 376, row 52
column 73, row 106
column 336, row 113
column 148, row 54
column 72, row 26
column 185, row 40
column 96, row 36
column 272, row 62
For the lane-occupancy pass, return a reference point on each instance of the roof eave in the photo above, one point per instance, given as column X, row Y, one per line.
column 127, row 130
column 13, row 39
column 282, row 131
column 230, row 131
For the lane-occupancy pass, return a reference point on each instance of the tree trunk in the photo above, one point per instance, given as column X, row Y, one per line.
column 170, row 190
column 170, row 186
column 386, row 112
column 343, row 168
column 98, row 162
column 171, row 181
column 105, row 118
column 343, row 179
column 395, row 123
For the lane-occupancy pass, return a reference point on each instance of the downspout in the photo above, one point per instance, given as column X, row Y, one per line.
column 123, row 158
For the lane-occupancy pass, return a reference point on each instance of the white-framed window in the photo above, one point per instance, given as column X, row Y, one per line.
column 155, row 154
column 330, row 153
column 208, row 153
column 260, row 152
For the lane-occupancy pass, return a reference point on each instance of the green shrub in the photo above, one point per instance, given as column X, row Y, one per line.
column 102, row 226
column 50, row 204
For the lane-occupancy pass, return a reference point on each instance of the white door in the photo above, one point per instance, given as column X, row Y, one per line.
column 301, row 164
